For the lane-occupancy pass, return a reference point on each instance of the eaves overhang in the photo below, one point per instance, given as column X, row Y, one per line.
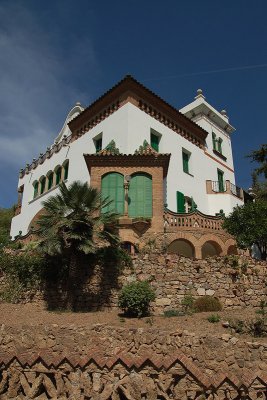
column 129, row 86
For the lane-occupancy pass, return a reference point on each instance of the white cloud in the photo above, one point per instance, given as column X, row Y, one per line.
column 34, row 67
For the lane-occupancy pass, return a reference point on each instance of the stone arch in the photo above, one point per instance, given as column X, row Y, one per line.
column 211, row 248
column 231, row 247
column 182, row 247
column 33, row 223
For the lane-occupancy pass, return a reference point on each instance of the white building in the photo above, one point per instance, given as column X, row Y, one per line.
column 198, row 138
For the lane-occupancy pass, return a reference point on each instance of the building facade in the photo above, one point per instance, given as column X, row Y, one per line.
column 156, row 163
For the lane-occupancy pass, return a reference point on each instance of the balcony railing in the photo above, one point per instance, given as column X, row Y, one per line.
column 218, row 187
column 225, row 187
column 191, row 221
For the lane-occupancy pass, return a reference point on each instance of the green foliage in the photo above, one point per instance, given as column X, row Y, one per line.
column 260, row 156
column 188, row 303
column 248, row 224
column 6, row 215
column 135, row 298
column 232, row 260
column 257, row 327
column 237, row 325
column 24, row 271
column 214, row 318
column 173, row 313
column 118, row 256
column 262, row 310
column 207, row 303
column 72, row 219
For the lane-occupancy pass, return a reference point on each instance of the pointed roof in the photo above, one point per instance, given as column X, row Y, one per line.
column 146, row 100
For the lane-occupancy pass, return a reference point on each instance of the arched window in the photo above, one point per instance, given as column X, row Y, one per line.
column 42, row 185
column 140, row 195
column 58, row 175
column 50, row 176
column 113, row 189
column 66, row 170
column 35, row 189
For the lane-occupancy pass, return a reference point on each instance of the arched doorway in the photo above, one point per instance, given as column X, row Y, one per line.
column 140, row 196
column 210, row 249
column 113, row 189
column 182, row 247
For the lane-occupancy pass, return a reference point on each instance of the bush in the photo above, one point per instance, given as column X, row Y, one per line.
column 135, row 298
column 173, row 313
column 207, row 303
column 23, row 271
column 188, row 303
column 214, row 318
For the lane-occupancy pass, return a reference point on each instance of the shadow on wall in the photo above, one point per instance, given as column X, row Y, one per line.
column 96, row 278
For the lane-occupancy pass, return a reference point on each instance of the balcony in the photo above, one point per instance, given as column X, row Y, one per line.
column 194, row 221
column 224, row 187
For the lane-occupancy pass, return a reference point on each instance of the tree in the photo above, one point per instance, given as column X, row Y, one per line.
column 6, row 215
column 248, row 224
column 70, row 225
column 259, row 175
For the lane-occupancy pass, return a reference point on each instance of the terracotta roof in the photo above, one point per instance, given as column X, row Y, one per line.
column 131, row 85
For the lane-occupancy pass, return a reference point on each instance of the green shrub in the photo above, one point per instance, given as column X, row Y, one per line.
column 207, row 303
column 23, row 271
column 135, row 298
column 188, row 303
column 173, row 313
column 257, row 328
column 214, row 318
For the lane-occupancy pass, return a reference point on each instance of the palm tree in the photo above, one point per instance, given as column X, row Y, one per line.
column 71, row 224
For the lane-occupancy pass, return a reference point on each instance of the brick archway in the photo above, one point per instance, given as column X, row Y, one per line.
column 33, row 223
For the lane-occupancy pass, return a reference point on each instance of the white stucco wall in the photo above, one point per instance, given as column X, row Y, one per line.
column 129, row 127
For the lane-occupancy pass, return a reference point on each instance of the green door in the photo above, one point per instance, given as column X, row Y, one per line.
column 220, row 181
column 112, row 187
column 140, row 196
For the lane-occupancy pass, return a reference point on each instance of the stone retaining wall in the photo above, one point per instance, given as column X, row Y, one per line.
column 237, row 282
column 110, row 363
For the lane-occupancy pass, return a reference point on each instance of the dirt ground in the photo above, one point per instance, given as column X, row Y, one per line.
column 18, row 315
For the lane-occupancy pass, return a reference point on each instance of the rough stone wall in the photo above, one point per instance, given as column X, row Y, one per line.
column 171, row 276
column 110, row 363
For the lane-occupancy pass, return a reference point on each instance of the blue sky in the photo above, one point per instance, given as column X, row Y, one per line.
column 54, row 53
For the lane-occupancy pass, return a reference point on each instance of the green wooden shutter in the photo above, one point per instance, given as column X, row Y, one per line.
column 42, row 186
column 185, row 162
column 66, row 171
column 140, row 196
column 180, row 202
column 50, row 181
column 113, row 189
column 58, row 176
column 35, row 190
column 220, row 180
column 220, row 145
column 154, row 140
column 214, row 141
